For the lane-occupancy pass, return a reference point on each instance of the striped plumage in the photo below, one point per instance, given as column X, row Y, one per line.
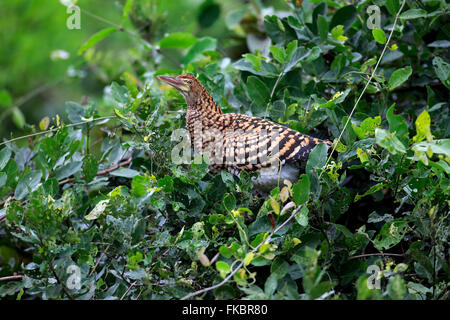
column 238, row 142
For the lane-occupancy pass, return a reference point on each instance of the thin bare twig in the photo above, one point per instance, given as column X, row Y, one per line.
column 376, row 254
column 59, row 281
column 56, row 129
column 99, row 259
column 365, row 87
column 126, row 162
column 12, row 278
column 233, row 272
column 129, row 288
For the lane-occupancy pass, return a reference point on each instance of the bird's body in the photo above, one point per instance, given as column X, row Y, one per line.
column 236, row 142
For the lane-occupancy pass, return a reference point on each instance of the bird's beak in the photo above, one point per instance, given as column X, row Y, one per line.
column 174, row 82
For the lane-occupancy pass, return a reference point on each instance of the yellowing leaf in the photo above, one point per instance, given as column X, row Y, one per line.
column 248, row 258
column 363, row 157
column 423, row 123
column 98, row 210
column 275, row 206
column 43, row 124
column 202, row 257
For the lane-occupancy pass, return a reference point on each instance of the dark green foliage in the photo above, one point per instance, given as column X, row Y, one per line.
column 121, row 217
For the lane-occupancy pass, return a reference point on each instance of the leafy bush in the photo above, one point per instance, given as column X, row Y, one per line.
column 97, row 199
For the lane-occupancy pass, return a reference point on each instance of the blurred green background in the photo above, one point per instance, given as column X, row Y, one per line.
column 40, row 68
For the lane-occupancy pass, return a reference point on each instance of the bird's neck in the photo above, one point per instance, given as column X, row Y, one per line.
column 205, row 103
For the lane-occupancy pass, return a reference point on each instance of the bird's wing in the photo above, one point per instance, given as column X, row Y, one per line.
column 250, row 143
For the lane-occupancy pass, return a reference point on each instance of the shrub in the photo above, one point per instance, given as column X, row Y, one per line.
column 116, row 219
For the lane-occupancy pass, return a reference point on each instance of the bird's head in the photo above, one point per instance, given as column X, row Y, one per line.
column 187, row 85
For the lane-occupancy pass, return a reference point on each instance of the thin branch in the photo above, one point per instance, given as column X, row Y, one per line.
column 12, row 278
column 129, row 288
column 126, row 162
column 366, row 86
column 59, row 281
column 273, row 92
column 99, row 259
column 376, row 254
column 232, row 273
column 56, row 129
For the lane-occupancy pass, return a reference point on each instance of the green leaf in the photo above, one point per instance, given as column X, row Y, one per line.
column 233, row 18
column 254, row 60
column 5, row 155
column 18, row 118
column 5, row 99
column 322, row 25
column 389, row 141
column 277, row 110
column 367, row 127
column 270, row 285
column 344, row 16
column 67, row 170
column 200, row 46
column 95, row 38
column 300, row 191
column 379, row 35
column 140, row 185
column 29, row 183
column 223, row 268
column 317, row 158
column 398, row 77
column 362, row 156
column 229, row 202
column 258, row 92
column 393, row 6
column 209, row 12
column 177, row 40
column 442, row 69
column 119, row 93
column 396, row 288
column 278, row 54
column 125, row 173
column 441, row 146
column 391, row 234
column 396, row 123
column 299, row 54
column 279, row 268
column 126, row 10
column 90, row 167
column 3, row 178
column 413, row 14
column 302, row 217
column 372, row 190
column 337, row 33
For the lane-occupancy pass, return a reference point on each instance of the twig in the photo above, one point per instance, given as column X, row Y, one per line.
column 102, row 172
column 68, row 180
column 377, row 254
column 273, row 92
column 214, row 258
column 99, row 259
column 12, row 278
column 55, row 129
column 365, row 87
column 232, row 273
column 129, row 288
column 59, row 281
